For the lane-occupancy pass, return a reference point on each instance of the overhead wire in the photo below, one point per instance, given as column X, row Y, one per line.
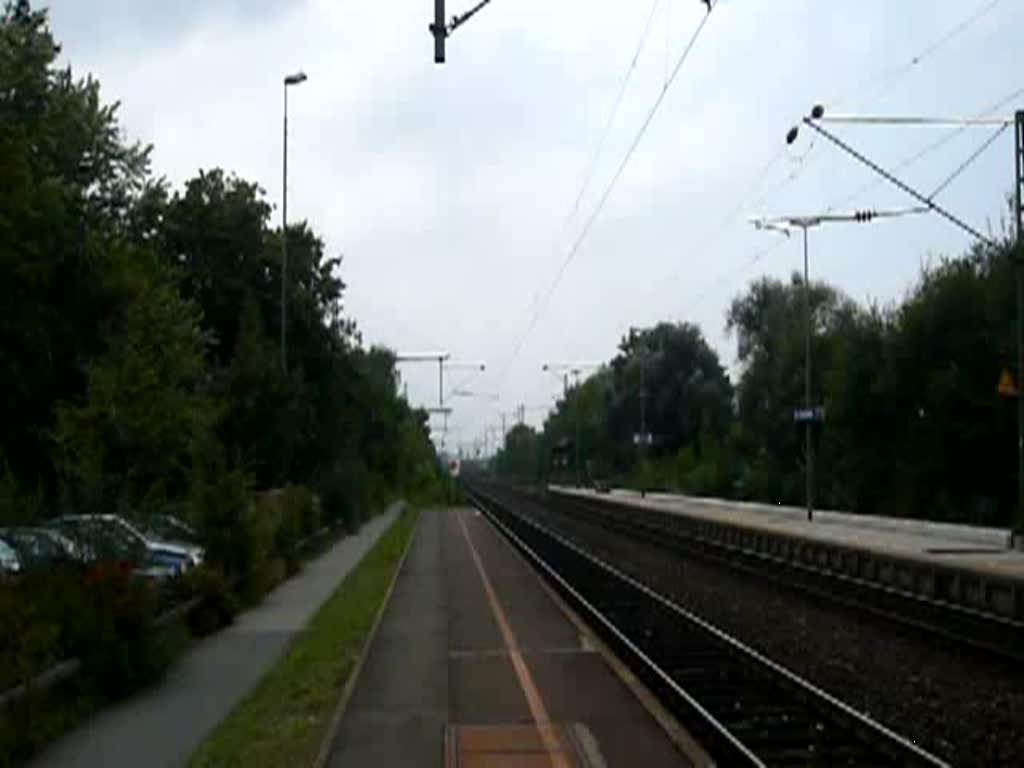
column 893, row 179
column 846, row 199
column 968, row 162
column 886, row 80
column 926, row 150
column 883, row 81
column 588, row 174
column 574, row 250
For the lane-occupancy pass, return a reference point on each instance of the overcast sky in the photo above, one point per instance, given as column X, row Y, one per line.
column 449, row 189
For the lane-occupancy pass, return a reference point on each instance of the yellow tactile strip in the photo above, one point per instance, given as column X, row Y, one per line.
column 511, row 746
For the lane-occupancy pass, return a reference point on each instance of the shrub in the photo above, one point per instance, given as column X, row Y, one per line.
column 29, row 639
column 345, row 493
column 111, row 630
column 217, row 604
column 221, row 502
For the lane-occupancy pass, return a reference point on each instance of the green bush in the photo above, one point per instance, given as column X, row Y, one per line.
column 346, row 493
column 29, row 639
column 113, row 631
column 217, row 604
column 220, row 500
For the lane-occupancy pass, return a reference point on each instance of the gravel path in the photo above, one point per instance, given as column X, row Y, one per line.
column 964, row 708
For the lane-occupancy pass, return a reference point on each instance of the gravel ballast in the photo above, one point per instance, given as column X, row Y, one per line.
column 959, row 705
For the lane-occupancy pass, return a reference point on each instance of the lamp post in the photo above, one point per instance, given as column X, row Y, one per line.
column 785, row 225
column 294, row 79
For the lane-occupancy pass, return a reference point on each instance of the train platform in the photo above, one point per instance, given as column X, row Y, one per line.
column 960, row 563
column 476, row 663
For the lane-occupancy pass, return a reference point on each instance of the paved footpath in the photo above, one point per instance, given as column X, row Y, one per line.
column 163, row 725
column 474, row 664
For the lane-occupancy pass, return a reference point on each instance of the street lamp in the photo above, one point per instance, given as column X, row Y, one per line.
column 294, row 79
column 784, row 225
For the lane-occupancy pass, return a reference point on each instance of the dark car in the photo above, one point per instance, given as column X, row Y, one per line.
column 109, row 538
column 37, row 548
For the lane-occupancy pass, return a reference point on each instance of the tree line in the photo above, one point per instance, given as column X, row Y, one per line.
column 140, row 364
column 913, row 422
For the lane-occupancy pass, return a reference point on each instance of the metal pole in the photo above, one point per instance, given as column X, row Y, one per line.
column 576, row 413
column 1018, row 151
column 439, row 31
column 284, row 241
column 809, row 424
column 643, row 421
column 440, row 382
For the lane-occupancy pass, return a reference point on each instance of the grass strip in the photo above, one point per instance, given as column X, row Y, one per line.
column 283, row 718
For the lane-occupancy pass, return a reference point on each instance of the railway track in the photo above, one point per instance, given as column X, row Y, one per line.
column 744, row 708
column 988, row 633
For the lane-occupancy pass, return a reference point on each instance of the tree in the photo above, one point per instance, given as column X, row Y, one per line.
column 520, row 457
column 129, row 442
column 683, row 385
column 769, row 324
column 69, row 184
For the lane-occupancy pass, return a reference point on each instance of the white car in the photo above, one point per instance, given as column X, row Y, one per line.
column 106, row 537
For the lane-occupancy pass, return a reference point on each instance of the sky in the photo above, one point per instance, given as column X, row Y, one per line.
column 449, row 189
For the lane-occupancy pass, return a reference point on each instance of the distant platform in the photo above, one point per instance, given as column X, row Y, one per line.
column 475, row 663
column 969, row 565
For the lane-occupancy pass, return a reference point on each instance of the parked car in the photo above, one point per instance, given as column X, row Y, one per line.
column 112, row 538
column 171, row 530
column 10, row 565
column 38, row 548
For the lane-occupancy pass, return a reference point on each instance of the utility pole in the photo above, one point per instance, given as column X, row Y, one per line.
column 642, row 395
column 296, row 79
column 1017, row 536
column 438, row 30
column 810, row 412
column 643, row 421
column 441, row 30
column 808, row 424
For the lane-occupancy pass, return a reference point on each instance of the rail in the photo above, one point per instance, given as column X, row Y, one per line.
column 746, row 709
column 986, row 631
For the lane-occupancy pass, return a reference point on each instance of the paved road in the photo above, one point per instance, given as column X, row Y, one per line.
column 162, row 726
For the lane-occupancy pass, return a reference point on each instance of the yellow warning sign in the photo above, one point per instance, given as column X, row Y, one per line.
column 1006, row 387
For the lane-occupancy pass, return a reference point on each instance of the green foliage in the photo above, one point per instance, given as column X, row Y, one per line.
column 141, row 371
column 217, row 603
column 913, row 423
column 141, row 324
